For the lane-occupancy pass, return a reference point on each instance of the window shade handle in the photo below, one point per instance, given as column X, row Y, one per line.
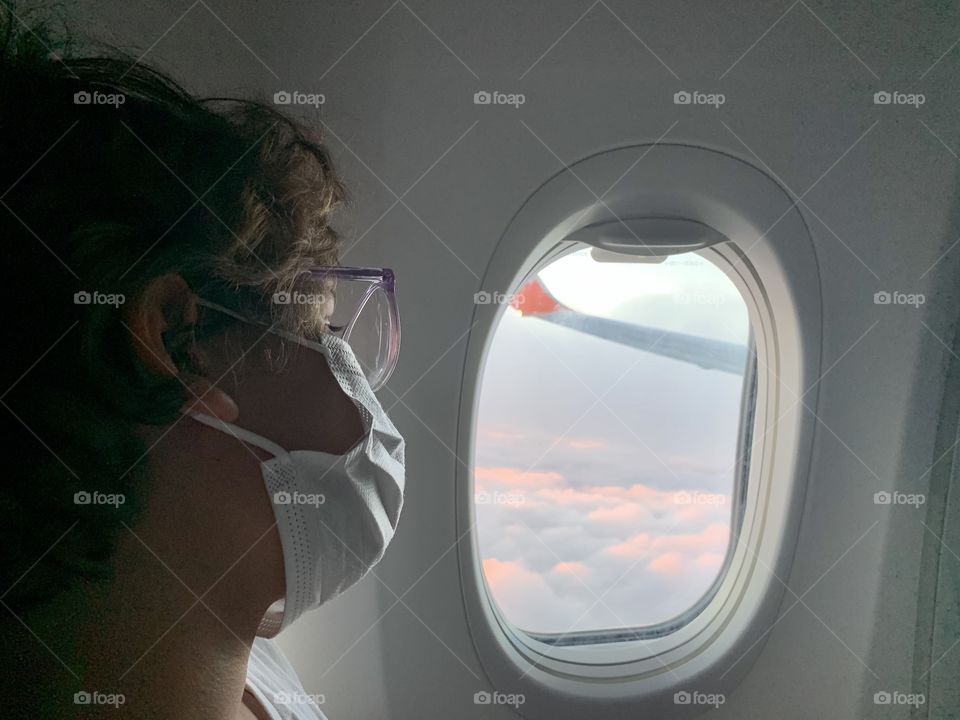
column 655, row 237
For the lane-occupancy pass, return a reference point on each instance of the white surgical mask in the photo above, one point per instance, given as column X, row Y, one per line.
column 335, row 513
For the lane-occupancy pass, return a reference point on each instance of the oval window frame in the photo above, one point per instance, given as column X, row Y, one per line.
column 774, row 265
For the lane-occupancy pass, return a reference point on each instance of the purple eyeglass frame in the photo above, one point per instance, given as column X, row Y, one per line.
column 379, row 278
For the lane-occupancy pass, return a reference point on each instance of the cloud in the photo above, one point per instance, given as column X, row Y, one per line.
column 571, row 496
column 485, row 477
column 584, row 443
column 527, row 599
column 631, row 514
column 503, row 574
column 667, row 564
column 638, row 545
column 713, row 538
column 577, row 569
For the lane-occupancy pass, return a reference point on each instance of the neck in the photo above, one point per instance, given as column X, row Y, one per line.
column 142, row 646
column 171, row 631
column 169, row 655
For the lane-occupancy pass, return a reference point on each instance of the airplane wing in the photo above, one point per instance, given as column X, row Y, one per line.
column 533, row 300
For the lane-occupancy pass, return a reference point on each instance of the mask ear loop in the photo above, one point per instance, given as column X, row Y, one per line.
column 275, row 618
column 272, row 621
column 239, row 433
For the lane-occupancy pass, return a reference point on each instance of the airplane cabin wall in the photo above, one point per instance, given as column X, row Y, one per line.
column 435, row 179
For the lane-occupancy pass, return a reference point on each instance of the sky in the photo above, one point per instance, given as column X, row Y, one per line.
column 603, row 474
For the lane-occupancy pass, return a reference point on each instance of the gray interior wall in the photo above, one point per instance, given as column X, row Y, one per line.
column 879, row 191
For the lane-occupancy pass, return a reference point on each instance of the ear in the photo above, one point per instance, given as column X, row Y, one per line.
column 168, row 308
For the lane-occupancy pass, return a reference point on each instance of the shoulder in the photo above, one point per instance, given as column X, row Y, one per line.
column 268, row 653
column 271, row 676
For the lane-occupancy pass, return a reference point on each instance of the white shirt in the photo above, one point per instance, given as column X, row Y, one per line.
column 273, row 681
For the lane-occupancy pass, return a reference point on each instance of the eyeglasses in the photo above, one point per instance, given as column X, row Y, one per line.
column 358, row 305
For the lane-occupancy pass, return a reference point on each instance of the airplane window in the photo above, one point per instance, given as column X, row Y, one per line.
column 613, row 434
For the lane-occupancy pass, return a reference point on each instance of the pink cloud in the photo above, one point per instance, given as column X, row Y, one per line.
column 500, row 572
column 486, row 476
column 712, row 539
column 518, row 591
column 638, row 502
column 611, row 495
column 625, row 513
column 667, row 564
column 699, row 514
column 569, row 496
column 611, row 504
column 638, row 492
column 637, row 545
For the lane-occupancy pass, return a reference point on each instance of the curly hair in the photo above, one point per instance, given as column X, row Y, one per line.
column 112, row 175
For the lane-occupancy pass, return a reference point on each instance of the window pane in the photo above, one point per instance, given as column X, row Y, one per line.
column 607, row 444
